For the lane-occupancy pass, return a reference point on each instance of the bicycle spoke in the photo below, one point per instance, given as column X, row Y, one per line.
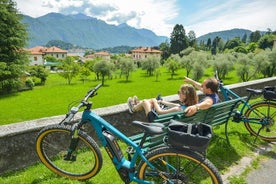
column 261, row 120
column 172, row 166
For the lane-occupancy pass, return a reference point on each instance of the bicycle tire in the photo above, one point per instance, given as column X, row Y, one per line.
column 52, row 144
column 191, row 167
column 268, row 116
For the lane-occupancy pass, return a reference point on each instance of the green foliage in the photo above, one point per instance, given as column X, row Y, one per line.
column 103, row 68
column 245, row 68
column 13, row 58
column 39, row 72
column 231, row 44
column 255, row 36
column 150, row 64
column 165, row 48
column 223, row 63
column 84, row 73
column 172, row 65
column 50, row 58
column 179, row 40
column 266, row 41
column 126, row 66
column 29, row 83
column 69, row 69
column 60, row 44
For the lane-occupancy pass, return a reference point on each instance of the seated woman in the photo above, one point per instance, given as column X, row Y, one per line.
column 187, row 97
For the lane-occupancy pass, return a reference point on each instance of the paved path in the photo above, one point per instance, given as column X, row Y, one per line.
column 265, row 174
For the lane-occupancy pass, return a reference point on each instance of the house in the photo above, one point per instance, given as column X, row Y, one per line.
column 144, row 52
column 38, row 53
column 274, row 43
column 102, row 54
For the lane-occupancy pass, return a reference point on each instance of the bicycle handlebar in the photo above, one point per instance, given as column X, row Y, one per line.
column 92, row 93
column 83, row 102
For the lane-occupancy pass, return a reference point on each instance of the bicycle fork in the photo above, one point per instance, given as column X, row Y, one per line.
column 70, row 156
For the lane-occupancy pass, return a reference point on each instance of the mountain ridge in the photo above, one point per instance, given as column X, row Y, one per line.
column 89, row 32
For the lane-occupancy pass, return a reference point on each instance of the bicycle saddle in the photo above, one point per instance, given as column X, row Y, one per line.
column 150, row 128
column 255, row 91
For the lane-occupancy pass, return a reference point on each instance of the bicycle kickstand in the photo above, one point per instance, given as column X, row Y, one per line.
column 258, row 134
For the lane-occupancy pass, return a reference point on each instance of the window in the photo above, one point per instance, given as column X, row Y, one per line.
column 35, row 58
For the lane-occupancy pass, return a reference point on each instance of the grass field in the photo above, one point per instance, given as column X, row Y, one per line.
column 54, row 97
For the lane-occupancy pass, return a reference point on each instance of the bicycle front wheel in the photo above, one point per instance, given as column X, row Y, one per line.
column 178, row 166
column 261, row 119
column 52, row 145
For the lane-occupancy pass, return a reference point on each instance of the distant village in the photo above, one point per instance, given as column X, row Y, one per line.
column 38, row 53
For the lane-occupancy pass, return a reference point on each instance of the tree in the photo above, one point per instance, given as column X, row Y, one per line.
column 215, row 45
column 266, row 41
column 198, row 71
column 165, row 48
column 13, row 58
column 244, row 38
column 209, row 44
column 255, row 36
column 103, row 68
column 172, row 66
column 179, row 40
column 150, row 64
column 271, row 69
column 231, row 44
column 222, row 64
column 84, row 73
column 245, row 67
column 70, row 69
column 192, row 39
column 126, row 65
column 39, row 72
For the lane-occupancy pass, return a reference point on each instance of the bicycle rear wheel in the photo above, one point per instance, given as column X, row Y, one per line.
column 175, row 166
column 264, row 113
column 52, row 145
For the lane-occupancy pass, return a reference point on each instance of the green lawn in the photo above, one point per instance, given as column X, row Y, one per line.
column 54, row 98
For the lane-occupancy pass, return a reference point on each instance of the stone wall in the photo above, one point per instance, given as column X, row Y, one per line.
column 17, row 141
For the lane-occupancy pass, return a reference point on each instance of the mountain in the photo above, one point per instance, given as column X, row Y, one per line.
column 87, row 32
column 225, row 35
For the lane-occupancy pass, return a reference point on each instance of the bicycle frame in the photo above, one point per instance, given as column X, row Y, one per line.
column 124, row 167
column 239, row 116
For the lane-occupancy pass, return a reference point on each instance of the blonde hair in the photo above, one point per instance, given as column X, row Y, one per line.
column 190, row 93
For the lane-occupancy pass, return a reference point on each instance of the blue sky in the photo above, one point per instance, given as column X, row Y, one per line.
column 160, row 16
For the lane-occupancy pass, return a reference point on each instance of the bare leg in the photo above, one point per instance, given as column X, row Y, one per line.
column 144, row 104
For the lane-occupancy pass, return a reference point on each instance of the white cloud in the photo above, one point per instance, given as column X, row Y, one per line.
column 160, row 16
column 253, row 15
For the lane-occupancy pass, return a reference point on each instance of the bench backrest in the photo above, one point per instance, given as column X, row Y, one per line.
column 215, row 115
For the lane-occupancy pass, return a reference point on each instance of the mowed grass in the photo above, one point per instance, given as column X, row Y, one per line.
column 54, row 97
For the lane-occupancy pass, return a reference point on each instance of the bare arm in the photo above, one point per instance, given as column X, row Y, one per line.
column 175, row 108
column 169, row 104
column 195, row 83
column 207, row 103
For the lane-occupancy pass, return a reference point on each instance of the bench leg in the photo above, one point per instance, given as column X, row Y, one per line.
column 226, row 133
